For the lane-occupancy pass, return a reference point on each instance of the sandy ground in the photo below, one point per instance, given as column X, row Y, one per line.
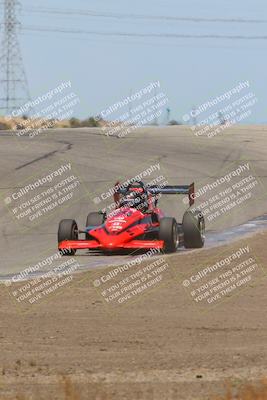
column 162, row 346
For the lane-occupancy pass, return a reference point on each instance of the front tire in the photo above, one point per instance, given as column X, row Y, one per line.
column 94, row 219
column 194, row 229
column 67, row 230
column 168, row 232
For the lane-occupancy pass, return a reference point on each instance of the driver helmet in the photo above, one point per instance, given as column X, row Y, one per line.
column 135, row 199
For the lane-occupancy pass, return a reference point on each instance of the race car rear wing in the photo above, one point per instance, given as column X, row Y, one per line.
column 157, row 189
column 174, row 189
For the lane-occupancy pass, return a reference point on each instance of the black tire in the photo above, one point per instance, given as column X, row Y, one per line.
column 194, row 229
column 93, row 219
column 169, row 233
column 67, row 230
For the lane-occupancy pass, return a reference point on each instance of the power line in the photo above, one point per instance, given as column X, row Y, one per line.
column 13, row 79
column 143, row 35
column 90, row 13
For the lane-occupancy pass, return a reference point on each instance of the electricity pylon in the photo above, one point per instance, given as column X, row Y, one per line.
column 14, row 87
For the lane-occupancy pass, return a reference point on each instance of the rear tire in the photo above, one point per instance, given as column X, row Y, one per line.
column 168, row 232
column 93, row 219
column 194, row 229
column 67, row 230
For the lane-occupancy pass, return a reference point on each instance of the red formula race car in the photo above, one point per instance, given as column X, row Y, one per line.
column 135, row 223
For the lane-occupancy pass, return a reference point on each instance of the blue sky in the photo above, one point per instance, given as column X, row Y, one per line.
column 103, row 70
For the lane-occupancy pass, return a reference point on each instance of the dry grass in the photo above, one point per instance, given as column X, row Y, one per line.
column 246, row 391
column 69, row 390
column 20, row 123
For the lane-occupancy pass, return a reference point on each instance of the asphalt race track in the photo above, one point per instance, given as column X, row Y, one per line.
column 173, row 153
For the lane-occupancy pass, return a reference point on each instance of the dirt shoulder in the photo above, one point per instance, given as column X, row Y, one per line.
column 162, row 345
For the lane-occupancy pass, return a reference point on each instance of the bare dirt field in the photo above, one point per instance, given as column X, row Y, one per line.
column 163, row 346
